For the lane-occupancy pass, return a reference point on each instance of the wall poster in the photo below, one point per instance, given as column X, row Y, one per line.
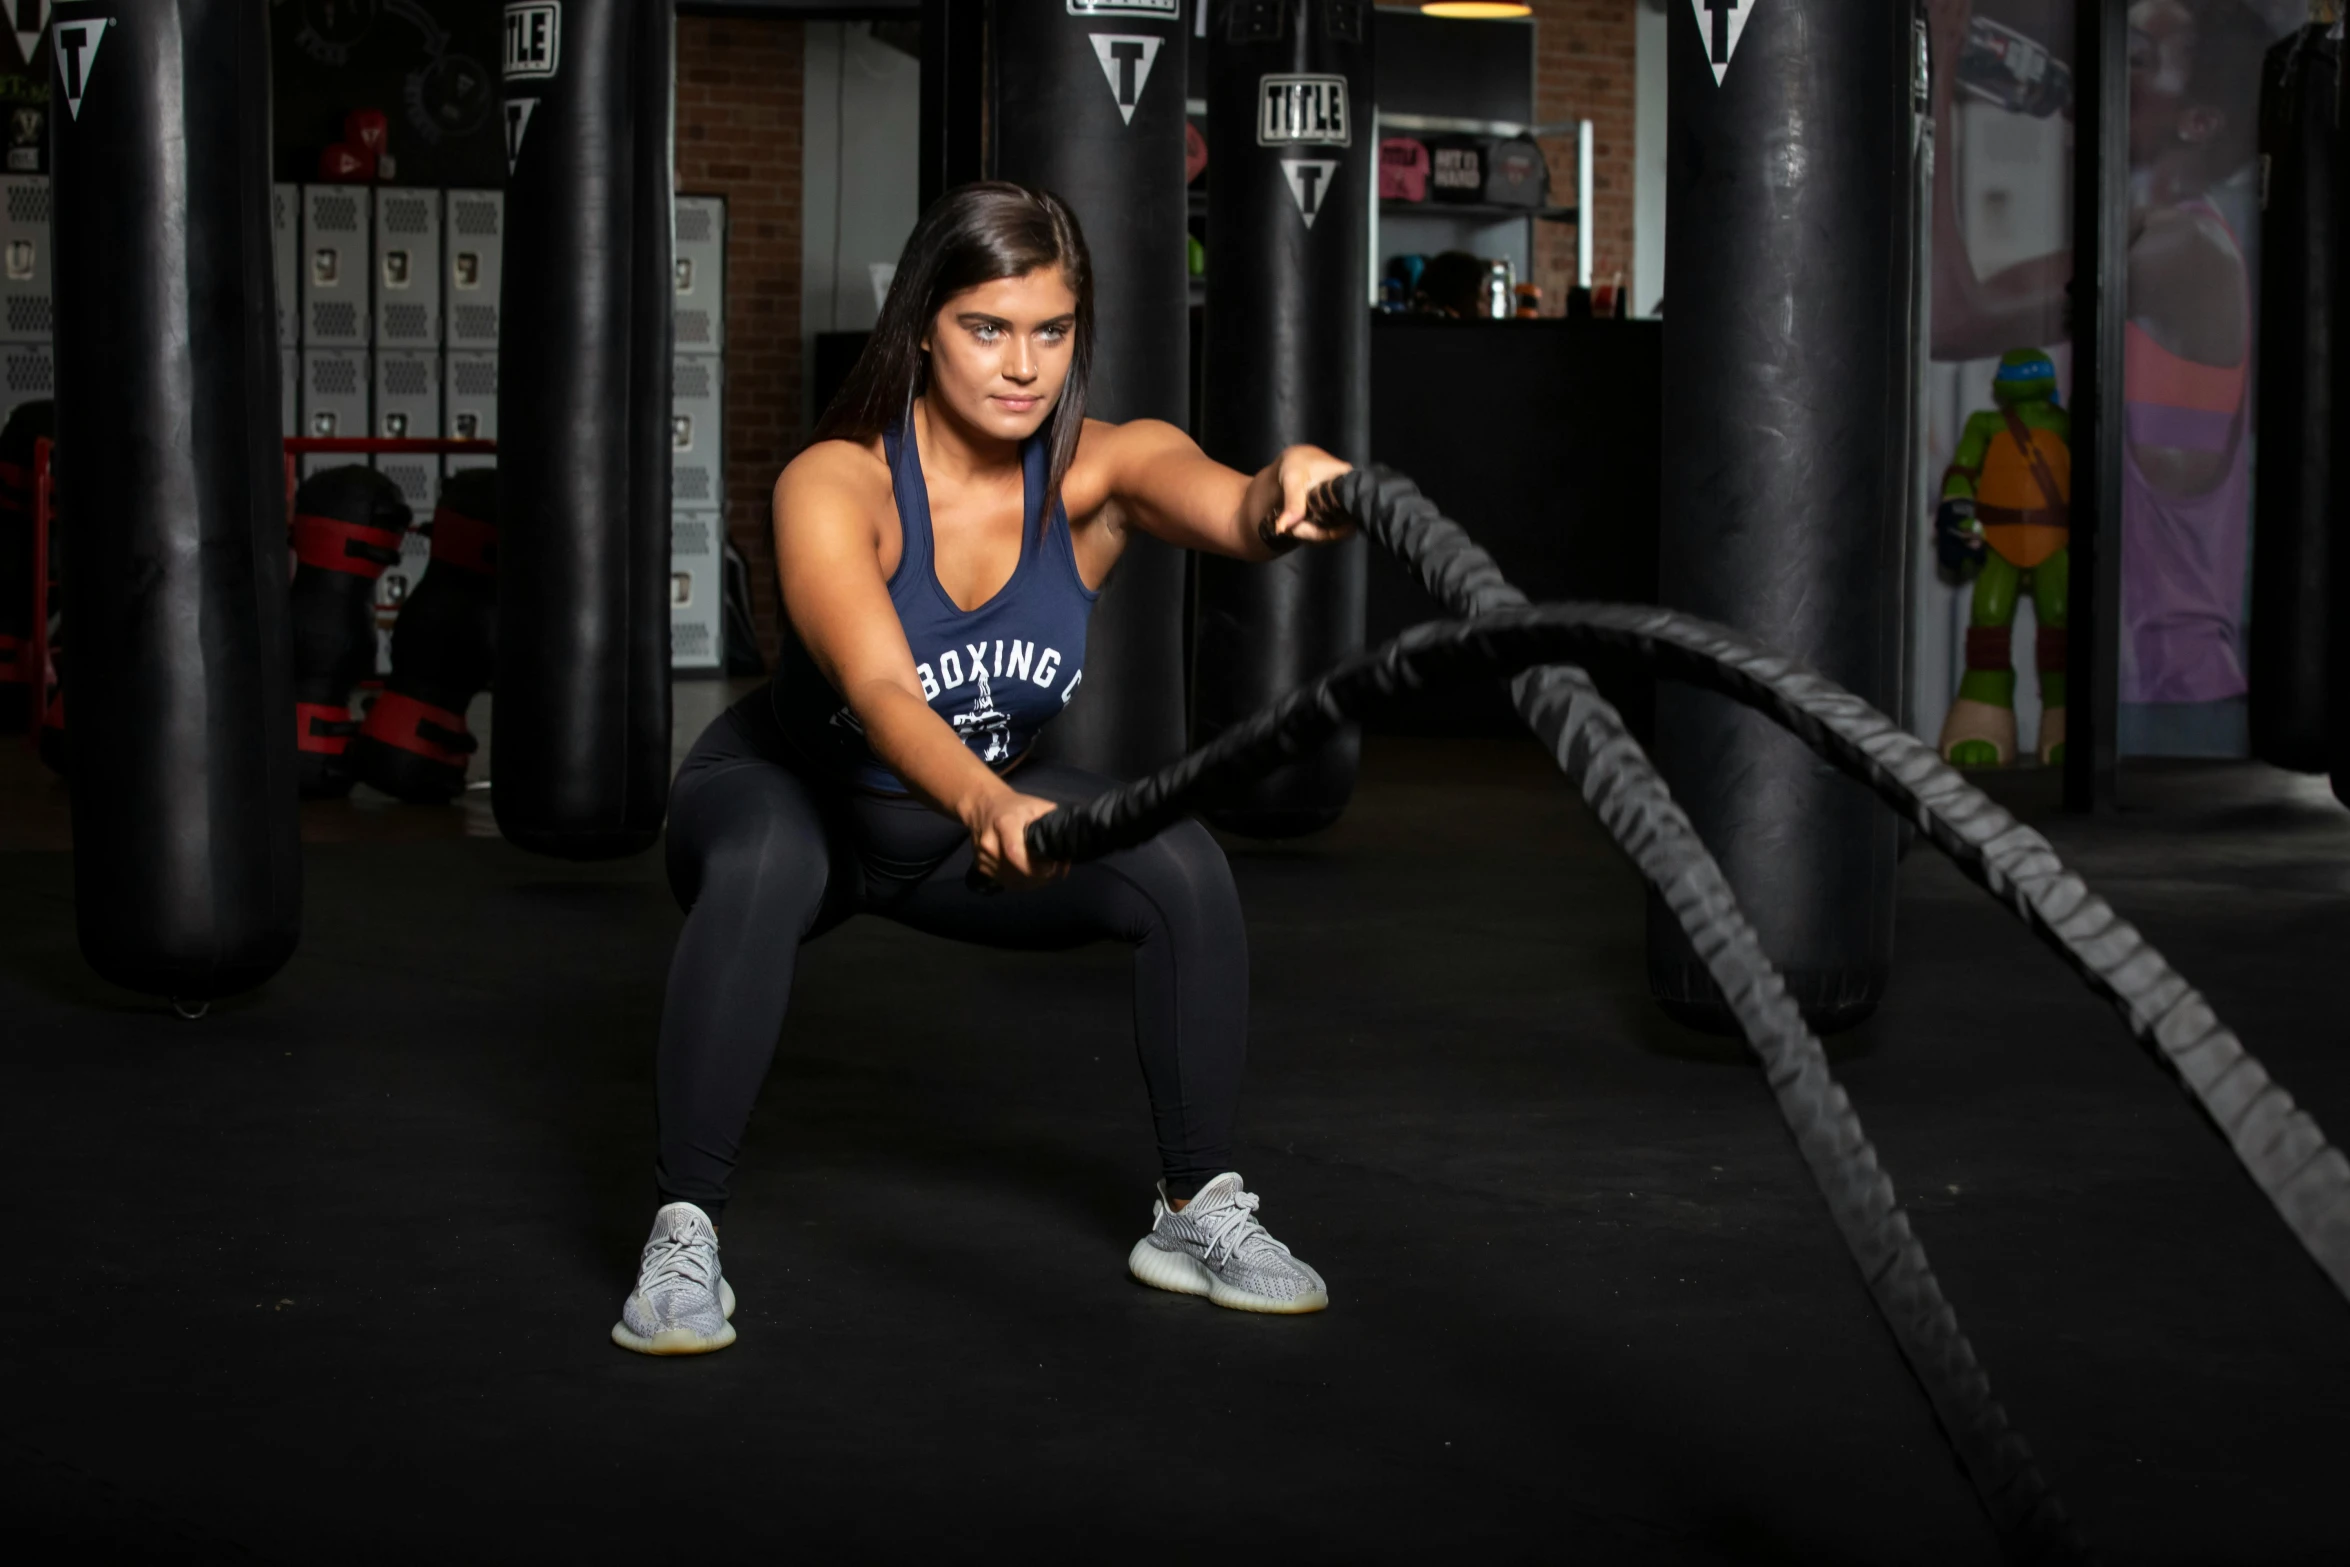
column 1987, row 673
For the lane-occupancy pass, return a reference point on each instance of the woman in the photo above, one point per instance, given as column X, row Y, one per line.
column 941, row 544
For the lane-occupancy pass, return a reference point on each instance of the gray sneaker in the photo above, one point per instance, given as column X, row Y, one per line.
column 1215, row 1247
column 681, row 1302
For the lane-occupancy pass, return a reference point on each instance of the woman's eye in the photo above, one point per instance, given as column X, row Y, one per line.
column 984, row 331
column 1053, row 334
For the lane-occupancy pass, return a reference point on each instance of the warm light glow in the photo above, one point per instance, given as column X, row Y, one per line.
column 1475, row 10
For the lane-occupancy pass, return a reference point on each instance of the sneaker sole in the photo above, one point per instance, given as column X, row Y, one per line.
column 671, row 1341
column 677, row 1341
column 1182, row 1274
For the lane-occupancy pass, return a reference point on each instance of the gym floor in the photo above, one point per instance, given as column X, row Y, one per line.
column 326, row 1276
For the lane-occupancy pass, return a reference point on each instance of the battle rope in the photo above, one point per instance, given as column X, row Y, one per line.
column 1624, row 791
column 2281, row 1147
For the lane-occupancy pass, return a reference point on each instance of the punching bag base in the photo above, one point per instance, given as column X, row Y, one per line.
column 1830, row 1000
column 150, row 974
column 617, row 845
column 1247, row 821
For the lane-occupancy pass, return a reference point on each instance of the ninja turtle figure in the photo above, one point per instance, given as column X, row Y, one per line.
column 2004, row 522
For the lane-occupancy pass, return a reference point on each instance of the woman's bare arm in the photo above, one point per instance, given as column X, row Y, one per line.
column 1166, row 486
column 1975, row 317
column 827, row 553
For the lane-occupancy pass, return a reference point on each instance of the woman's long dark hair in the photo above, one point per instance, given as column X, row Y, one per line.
column 973, row 234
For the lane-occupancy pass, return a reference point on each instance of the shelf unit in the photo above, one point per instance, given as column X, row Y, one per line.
column 1486, row 215
column 1488, row 210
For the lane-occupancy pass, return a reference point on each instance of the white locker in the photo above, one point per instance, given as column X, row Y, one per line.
column 27, row 314
column 28, row 372
column 696, row 535
column 408, row 269
column 334, row 402
column 700, row 317
column 285, row 259
column 335, row 271
column 469, row 407
column 696, row 613
column 697, row 477
column 474, row 242
column 408, row 408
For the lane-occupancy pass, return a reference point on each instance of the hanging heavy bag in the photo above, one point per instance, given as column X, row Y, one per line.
column 1793, row 154
column 414, row 743
column 187, row 858
column 20, row 682
column 584, row 429
column 347, row 527
column 1090, row 107
column 2286, row 636
column 1286, row 361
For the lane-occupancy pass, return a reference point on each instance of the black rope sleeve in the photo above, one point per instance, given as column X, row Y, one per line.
column 2279, row 1145
column 1590, row 742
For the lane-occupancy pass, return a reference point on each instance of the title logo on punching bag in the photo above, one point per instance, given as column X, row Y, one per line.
column 534, row 51
column 1723, row 23
column 1126, row 61
column 534, row 41
column 518, row 113
column 30, row 18
column 77, row 55
column 1303, row 111
column 1309, row 184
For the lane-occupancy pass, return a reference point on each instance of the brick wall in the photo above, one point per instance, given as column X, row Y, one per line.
column 738, row 136
column 1586, row 67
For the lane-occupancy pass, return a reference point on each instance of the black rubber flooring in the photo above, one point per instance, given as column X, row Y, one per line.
column 327, row 1275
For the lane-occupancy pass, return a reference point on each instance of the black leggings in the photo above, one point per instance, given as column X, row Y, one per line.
column 763, row 856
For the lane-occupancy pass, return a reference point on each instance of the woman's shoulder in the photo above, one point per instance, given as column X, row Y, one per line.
column 1105, row 450
column 835, row 473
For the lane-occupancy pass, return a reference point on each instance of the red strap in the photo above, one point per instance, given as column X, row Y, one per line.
column 2048, row 650
column 468, row 543
column 399, row 721
column 322, row 730
column 326, row 543
column 1990, row 647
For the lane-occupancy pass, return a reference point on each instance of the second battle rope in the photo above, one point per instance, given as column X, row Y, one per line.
column 2280, row 1146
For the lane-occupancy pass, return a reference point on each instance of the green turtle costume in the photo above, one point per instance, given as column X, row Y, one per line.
column 2004, row 521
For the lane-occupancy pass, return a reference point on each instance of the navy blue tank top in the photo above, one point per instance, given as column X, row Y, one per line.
column 998, row 674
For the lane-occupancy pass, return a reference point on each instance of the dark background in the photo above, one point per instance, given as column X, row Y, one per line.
column 431, row 66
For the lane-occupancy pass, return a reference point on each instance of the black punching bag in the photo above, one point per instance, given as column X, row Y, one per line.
column 1090, row 107
column 20, row 682
column 1788, row 385
column 187, row 859
column 582, row 713
column 1286, row 360
column 2294, row 475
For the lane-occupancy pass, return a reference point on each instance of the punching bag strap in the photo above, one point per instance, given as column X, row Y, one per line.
column 323, row 730
column 431, row 732
column 467, row 543
column 332, row 544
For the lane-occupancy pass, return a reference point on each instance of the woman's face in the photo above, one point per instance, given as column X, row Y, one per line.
column 2162, row 61
column 999, row 353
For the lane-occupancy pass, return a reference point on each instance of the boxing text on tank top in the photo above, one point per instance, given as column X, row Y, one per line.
column 997, row 673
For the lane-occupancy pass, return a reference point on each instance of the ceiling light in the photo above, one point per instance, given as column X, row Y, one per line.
column 1475, row 10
